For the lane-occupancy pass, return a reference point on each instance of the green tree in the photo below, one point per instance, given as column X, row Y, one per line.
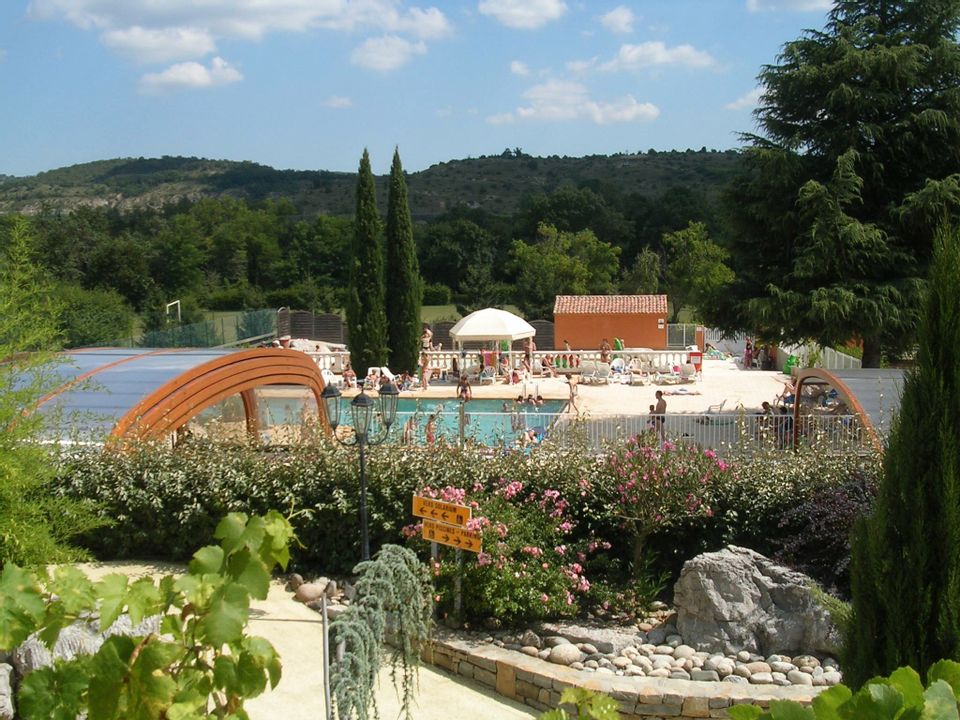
column 561, row 263
column 93, row 317
column 696, row 273
column 404, row 286
column 571, row 209
column 879, row 81
column 35, row 526
column 643, row 277
column 905, row 568
column 366, row 301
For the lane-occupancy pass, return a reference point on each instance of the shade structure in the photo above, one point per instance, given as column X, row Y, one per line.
column 491, row 324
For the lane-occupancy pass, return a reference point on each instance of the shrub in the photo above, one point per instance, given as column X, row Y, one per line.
column 436, row 294
column 657, row 487
column 818, row 532
column 531, row 565
column 162, row 502
column 751, row 501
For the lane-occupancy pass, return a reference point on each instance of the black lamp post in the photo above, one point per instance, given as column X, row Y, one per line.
column 362, row 409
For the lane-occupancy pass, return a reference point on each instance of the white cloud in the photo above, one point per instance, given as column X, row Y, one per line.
column 386, row 53
column 338, row 102
column 798, row 5
column 500, row 119
column 747, row 100
column 618, row 20
column 519, row 68
column 162, row 30
column 654, row 53
column 157, row 46
column 562, row 100
column 523, row 14
column 580, row 67
column 191, row 75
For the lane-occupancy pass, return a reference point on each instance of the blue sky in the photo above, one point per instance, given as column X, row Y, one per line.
column 307, row 84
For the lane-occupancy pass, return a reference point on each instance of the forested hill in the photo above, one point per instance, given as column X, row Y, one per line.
column 497, row 184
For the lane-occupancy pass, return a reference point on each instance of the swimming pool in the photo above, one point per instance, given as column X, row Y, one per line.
column 487, row 422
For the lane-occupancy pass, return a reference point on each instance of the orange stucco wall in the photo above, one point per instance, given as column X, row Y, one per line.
column 586, row 331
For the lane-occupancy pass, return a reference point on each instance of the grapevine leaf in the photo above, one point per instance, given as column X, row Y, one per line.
column 875, row 700
column 226, row 617
column 947, row 670
column 112, row 591
column 603, row 707
column 225, row 674
column 109, row 671
column 143, row 600
column 941, row 704
column 172, row 625
column 73, row 589
column 280, row 533
column 252, row 680
column 249, row 571
column 190, row 708
column 230, row 531
column 207, row 561
column 54, row 692
column 827, row 704
column 150, row 686
column 744, row 712
column 907, row 681
column 53, row 622
column 22, row 607
column 267, row 655
column 787, row 710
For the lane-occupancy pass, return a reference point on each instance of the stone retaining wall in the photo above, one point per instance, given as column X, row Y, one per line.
column 538, row 683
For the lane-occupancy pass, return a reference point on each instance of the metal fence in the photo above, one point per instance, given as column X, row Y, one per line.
column 728, row 434
column 681, row 335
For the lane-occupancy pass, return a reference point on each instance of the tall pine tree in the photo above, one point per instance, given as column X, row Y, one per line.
column 366, row 318
column 873, row 97
column 905, row 567
column 404, row 286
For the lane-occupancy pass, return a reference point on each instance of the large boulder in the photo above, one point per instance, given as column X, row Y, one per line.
column 6, row 692
column 737, row 599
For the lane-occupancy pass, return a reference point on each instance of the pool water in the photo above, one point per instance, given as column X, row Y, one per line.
column 487, row 422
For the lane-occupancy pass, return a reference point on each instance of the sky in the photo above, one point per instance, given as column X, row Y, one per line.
column 308, row 84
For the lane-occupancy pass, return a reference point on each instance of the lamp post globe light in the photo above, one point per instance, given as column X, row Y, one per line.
column 362, row 407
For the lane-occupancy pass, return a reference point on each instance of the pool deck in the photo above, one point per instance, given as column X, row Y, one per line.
column 722, row 380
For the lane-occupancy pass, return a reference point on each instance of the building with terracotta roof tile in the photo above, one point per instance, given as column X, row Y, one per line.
column 585, row 320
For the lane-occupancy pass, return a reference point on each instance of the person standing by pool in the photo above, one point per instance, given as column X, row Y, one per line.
column 426, row 338
column 424, row 371
column 431, row 429
column 661, row 414
column 605, row 350
column 464, row 391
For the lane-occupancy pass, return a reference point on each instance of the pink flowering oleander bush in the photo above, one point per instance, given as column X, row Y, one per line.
column 532, row 565
column 659, row 485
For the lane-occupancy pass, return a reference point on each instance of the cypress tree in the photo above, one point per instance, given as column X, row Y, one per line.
column 366, row 319
column 905, row 557
column 404, row 286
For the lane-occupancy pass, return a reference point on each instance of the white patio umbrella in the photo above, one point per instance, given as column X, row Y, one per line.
column 491, row 324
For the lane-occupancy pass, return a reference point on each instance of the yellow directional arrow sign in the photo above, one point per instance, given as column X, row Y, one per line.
column 452, row 536
column 441, row 511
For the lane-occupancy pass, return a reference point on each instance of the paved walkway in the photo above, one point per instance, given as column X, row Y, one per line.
column 297, row 634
